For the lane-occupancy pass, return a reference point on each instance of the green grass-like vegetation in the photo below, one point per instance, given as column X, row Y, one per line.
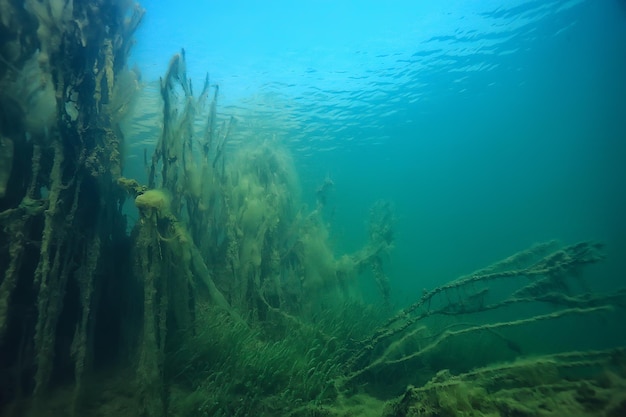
column 225, row 367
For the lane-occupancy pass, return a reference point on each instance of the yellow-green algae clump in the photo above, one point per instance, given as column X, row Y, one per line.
column 156, row 200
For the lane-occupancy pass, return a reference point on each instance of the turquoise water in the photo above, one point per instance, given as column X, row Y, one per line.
column 490, row 125
column 233, row 281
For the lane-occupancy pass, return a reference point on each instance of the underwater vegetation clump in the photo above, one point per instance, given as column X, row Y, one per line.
column 550, row 385
column 227, row 298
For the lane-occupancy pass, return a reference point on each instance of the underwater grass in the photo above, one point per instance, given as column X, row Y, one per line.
column 228, row 367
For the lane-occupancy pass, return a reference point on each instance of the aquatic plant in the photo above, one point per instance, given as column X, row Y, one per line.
column 231, row 234
column 550, row 385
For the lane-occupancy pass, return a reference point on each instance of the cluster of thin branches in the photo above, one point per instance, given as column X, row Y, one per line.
column 544, row 273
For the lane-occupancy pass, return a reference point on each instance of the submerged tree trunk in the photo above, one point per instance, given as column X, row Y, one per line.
column 62, row 227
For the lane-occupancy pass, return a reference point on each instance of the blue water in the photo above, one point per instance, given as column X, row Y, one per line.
column 490, row 125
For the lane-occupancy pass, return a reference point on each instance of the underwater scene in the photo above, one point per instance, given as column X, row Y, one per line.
column 313, row 208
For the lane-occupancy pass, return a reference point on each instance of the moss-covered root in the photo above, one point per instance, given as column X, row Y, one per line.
column 150, row 367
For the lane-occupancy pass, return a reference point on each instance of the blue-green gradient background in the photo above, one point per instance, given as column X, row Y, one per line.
column 490, row 125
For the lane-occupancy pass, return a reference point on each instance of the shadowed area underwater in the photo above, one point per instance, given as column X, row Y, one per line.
column 160, row 256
